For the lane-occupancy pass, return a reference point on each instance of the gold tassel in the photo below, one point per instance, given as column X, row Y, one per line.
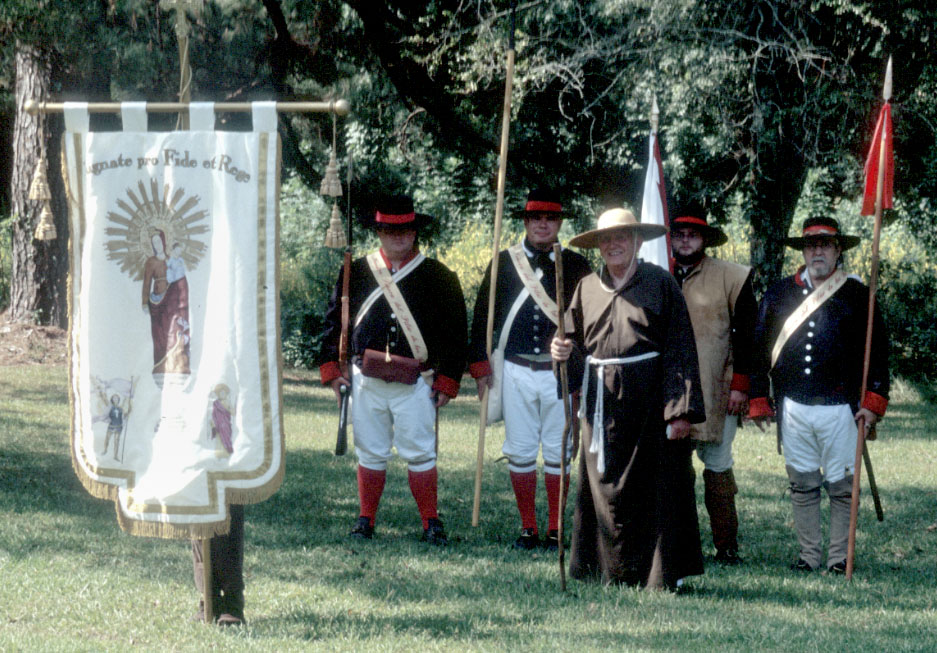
column 331, row 186
column 39, row 192
column 39, row 186
column 335, row 236
column 45, row 230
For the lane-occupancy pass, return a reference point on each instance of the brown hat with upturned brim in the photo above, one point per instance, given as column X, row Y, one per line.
column 613, row 220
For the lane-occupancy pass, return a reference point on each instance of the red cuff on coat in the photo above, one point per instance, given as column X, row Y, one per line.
column 330, row 371
column 446, row 386
column 759, row 407
column 876, row 403
column 479, row 369
column 741, row 383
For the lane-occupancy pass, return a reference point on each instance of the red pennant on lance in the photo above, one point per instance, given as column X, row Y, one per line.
column 883, row 130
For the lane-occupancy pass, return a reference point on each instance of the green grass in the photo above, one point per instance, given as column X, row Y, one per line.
column 72, row 581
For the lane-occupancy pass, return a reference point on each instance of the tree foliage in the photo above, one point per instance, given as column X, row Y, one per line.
column 757, row 97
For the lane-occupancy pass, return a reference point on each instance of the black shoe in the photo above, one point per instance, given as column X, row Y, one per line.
column 528, row 540
column 728, row 557
column 802, row 565
column 838, row 568
column 362, row 530
column 226, row 619
column 434, row 533
column 552, row 541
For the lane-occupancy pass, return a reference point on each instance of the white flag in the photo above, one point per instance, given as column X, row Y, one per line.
column 654, row 209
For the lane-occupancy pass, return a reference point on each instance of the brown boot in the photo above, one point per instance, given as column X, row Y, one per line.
column 805, row 500
column 719, row 494
column 840, row 506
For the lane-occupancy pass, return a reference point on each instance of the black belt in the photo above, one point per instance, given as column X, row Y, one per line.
column 821, row 401
column 536, row 366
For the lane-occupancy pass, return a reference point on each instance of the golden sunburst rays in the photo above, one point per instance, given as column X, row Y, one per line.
column 144, row 214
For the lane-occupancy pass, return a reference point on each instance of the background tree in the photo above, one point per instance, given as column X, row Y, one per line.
column 767, row 106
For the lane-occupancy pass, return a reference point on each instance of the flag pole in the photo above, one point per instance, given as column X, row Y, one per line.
column 873, row 283
column 207, row 606
column 496, row 246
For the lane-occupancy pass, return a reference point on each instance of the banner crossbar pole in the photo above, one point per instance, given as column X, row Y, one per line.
column 338, row 107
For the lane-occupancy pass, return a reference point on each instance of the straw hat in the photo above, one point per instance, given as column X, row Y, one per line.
column 613, row 220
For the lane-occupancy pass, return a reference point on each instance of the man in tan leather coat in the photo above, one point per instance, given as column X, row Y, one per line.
column 722, row 309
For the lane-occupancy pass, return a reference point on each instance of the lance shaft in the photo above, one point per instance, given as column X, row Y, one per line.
column 496, row 246
column 873, row 283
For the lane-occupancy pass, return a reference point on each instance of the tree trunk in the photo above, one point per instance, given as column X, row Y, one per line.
column 39, row 268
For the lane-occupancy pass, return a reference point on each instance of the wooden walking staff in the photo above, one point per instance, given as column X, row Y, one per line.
column 567, row 413
column 883, row 135
column 495, row 248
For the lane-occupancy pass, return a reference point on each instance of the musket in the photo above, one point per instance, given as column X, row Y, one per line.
column 567, row 414
column 496, row 246
column 861, row 452
column 341, row 438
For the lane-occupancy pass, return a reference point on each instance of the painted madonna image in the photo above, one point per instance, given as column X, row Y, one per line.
column 155, row 241
column 166, row 298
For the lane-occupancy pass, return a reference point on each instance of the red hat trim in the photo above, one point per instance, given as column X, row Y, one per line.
column 688, row 218
column 391, row 218
column 820, row 230
column 547, row 207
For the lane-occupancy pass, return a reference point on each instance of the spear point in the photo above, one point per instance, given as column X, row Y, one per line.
column 655, row 114
column 886, row 92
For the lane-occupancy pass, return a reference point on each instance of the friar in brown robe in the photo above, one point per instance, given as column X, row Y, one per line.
column 635, row 520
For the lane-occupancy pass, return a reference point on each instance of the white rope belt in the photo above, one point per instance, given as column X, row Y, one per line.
column 598, row 417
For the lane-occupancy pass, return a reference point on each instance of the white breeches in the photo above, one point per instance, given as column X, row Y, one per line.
column 717, row 456
column 386, row 415
column 533, row 417
column 819, row 437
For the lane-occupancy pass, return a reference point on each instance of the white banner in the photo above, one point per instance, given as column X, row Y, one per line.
column 654, row 208
column 174, row 328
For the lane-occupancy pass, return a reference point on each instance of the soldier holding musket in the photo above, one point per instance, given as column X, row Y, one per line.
column 810, row 339
column 407, row 346
column 525, row 317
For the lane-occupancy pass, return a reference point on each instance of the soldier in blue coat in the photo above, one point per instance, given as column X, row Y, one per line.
column 533, row 415
column 810, row 343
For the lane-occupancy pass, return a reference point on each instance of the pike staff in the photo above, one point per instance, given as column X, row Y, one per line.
column 496, row 246
column 567, row 414
column 883, row 195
